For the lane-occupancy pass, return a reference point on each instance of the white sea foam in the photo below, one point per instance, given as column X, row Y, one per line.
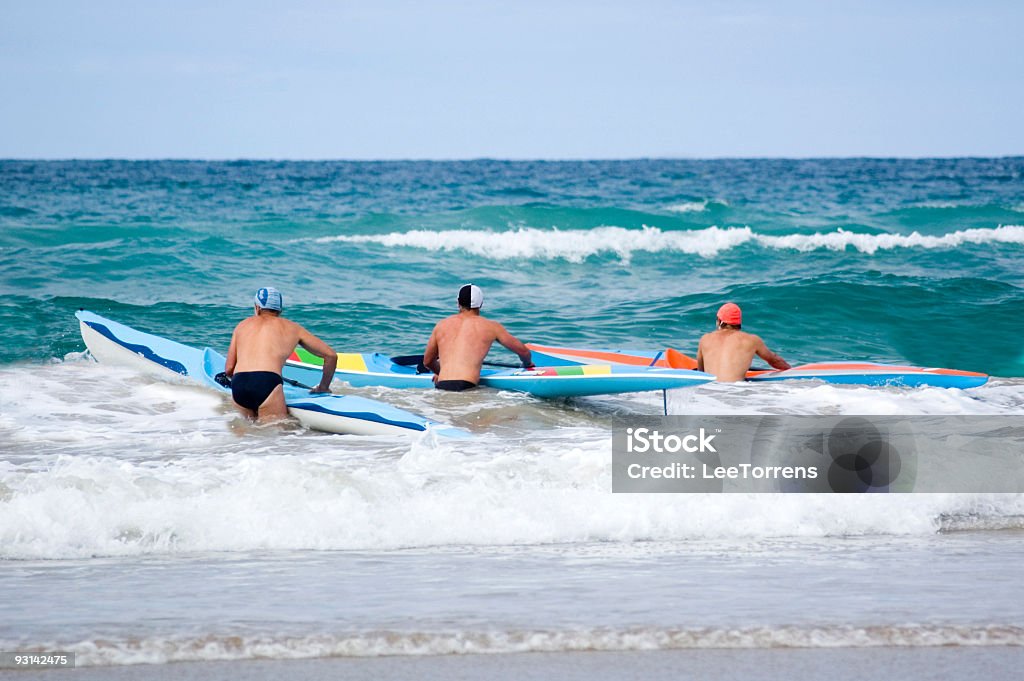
column 688, row 207
column 100, row 506
column 1000, row 396
column 871, row 243
column 121, row 466
column 211, row 647
column 944, row 205
column 100, row 461
column 576, row 245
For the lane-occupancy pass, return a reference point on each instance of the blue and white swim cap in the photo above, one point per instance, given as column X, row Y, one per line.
column 269, row 298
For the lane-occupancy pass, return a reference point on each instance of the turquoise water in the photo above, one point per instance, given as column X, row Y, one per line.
column 892, row 260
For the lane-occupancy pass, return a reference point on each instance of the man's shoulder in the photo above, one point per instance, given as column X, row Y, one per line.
column 291, row 327
column 441, row 325
column 278, row 323
column 494, row 326
column 447, row 321
column 751, row 339
column 244, row 324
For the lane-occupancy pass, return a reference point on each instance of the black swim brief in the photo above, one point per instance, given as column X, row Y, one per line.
column 454, row 386
column 250, row 389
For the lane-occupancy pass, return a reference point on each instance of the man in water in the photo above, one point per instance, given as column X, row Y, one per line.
column 259, row 347
column 458, row 344
column 727, row 351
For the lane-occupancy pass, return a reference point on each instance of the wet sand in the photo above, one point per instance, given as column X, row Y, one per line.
column 907, row 664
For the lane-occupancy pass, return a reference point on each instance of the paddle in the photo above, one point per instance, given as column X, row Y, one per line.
column 296, row 383
column 416, row 360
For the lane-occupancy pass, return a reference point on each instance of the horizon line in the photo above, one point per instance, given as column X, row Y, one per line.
column 498, row 159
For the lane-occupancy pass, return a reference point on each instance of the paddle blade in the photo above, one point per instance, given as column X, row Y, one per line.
column 678, row 360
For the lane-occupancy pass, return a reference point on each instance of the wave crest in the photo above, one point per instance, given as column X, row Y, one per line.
column 578, row 245
column 696, row 206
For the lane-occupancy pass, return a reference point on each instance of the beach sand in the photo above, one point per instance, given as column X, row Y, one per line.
column 909, row 664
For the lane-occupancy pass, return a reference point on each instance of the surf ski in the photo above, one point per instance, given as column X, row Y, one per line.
column 577, row 380
column 851, row 373
column 114, row 343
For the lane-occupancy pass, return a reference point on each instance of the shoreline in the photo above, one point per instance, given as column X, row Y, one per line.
column 992, row 663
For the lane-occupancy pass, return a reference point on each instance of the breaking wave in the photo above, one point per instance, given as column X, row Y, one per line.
column 695, row 206
column 578, row 245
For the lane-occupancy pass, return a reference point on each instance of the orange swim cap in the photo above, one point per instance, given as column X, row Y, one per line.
column 730, row 313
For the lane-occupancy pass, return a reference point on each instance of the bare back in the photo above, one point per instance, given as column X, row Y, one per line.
column 462, row 341
column 264, row 342
column 727, row 353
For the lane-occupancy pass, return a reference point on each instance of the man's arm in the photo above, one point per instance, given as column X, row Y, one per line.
column 700, row 355
column 232, row 360
column 430, row 355
column 502, row 335
column 323, row 351
column 767, row 355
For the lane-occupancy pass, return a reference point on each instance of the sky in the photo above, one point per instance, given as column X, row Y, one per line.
column 552, row 79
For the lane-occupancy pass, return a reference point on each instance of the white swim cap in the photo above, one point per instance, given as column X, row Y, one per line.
column 269, row 298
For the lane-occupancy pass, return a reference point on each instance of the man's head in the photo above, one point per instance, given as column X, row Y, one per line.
column 730, row 316
column 269, row 299
column 471, row 297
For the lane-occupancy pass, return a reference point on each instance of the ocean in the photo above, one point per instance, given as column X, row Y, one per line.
column 142, row 522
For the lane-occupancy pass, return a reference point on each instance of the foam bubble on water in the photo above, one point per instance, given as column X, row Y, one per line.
column 211, row 647
column 84, row 402
column 1005, row 396
column 688, row 207
column 100, row 461
column 944, row 205
column 578, row 245
column 553, row 492
column 573, row 245
column 871, row 243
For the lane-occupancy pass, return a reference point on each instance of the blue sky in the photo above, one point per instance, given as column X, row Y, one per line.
column 383, row 80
